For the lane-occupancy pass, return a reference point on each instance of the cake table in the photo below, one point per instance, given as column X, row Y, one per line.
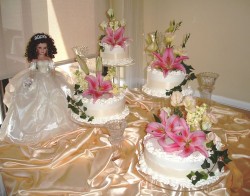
column 82, row 162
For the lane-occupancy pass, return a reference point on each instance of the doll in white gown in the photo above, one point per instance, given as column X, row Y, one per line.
column 36, row 97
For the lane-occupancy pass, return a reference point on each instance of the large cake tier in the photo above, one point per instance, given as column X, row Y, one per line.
column 104, row 109
column 116, row 56
column 171, row 169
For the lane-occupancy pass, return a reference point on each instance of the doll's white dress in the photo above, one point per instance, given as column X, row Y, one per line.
column 37, row 105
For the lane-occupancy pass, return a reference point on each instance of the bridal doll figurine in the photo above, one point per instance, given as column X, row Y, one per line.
column 36, row 97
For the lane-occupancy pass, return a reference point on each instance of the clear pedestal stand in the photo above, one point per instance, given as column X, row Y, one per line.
column 206, row 81
column 118, row 70
column 116, row 127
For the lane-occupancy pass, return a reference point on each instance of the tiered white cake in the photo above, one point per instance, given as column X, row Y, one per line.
column 180, row 150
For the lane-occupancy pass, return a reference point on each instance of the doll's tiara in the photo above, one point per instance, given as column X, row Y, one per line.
column 40, row 37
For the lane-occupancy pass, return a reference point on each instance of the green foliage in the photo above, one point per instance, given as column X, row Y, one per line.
column 178, row 112
column 187, row 36
column 191, row 76
column 157, row 119
column 219, row 158
column 205, row 165
column 77, row 106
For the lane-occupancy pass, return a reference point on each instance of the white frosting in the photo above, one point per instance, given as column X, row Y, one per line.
column 171, row 169
column 157, row 84
column 117, row 56
column 104, row 109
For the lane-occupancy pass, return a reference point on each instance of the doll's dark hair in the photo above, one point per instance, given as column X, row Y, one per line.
column 36, row 39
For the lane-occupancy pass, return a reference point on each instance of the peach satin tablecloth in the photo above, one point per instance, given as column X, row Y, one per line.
column 83, row 162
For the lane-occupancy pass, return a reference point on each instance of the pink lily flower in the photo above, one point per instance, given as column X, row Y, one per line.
column 187, row 142
column 159, row 130
column 174, row 124
column 97, row 87
column 114, row 37
column 168, row 62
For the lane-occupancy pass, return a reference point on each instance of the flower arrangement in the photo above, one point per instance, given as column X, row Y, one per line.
column 187, row 126
column 114, row 31
column 93, row 86
column 168, row 57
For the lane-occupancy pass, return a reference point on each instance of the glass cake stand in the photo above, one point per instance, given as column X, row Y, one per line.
column 118, row 70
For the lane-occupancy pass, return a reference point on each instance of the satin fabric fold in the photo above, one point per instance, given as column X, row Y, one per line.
column 83, row 162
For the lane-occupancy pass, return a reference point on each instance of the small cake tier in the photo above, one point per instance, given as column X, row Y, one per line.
column 115, row 56
column 157, row 84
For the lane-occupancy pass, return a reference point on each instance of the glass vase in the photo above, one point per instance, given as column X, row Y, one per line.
column 206, row 81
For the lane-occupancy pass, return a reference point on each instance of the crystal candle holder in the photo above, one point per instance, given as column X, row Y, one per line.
column 206, row 81
column 116, row 129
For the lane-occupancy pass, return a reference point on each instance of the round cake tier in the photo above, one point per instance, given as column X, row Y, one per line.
column 103, row 110
column 157, row 85
column 171, row 169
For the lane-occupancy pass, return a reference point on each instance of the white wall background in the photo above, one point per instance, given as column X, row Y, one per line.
column 220, row 38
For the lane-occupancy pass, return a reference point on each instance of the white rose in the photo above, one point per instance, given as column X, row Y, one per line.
column 216, row 140
column 189, row 103
column 176, row 98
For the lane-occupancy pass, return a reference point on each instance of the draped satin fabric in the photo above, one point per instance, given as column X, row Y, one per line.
column 83, row 162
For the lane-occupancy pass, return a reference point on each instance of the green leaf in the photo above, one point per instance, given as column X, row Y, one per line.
column 178, row 112
column 77, row 86
column 190, row 175
column 79, row 103
column 83, row 116
column 220, row 165
column 75, row 110
column 157, row 119
column 69, row 105
column 213, row 158
column 204, row 175
column 198, row 177
column 68, row 98
column 91, row 118
column 227, row 160
column 210, row 144
column 205, row 165
column 211, row 173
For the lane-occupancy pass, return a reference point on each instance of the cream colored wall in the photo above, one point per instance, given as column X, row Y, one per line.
column 220, row 38
column 66, row 23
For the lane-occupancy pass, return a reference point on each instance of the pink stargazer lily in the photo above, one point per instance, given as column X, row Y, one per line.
column 97, row 87
column 114, row 37
column 187, row 142
column 171, row 124
column 168, row 62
